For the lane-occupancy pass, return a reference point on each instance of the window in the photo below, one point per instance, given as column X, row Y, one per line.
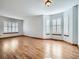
column 54, row 29
column 47, row 26
column 10, row 27
column 56, row 26
column 66, row 26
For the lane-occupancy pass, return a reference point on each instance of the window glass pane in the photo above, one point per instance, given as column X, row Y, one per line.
column 59, row 25
column 16, row 24
column 47, row 25
column 5, row 30
column 54, row 22
column 47, row 29
column 47, row 22
column 13, row 24
column 13, row 29
column 5, row 27
column 16, row 29
column 9, row 29
column 54, row 26
column 59, row 21
column 59, row 29
column 5, row 24
column 54, row 29
column 66, row 26
column 9, row 24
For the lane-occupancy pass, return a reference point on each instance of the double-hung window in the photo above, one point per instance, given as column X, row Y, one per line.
column 66, row 27
column 47, row 29
column 56, row 26
column 10, row 27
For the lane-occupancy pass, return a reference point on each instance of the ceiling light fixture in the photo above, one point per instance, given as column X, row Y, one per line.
column 48, row 3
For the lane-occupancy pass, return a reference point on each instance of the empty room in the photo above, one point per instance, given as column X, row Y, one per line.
column 39, row 29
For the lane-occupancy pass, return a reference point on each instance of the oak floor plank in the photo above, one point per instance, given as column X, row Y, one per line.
column 30, row 48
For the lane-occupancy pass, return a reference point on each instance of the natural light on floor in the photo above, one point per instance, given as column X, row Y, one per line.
column 53, row 51
column 10, row 46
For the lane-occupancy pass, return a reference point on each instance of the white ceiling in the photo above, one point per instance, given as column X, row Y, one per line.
column 22, row 8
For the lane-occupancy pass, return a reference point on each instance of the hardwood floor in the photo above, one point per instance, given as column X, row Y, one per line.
column 30, row 48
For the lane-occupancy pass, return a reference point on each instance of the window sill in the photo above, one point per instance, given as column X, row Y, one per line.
column 57, row 34
column 54, row 34
column 10, row 33
column 48, row 34
column 66, row 35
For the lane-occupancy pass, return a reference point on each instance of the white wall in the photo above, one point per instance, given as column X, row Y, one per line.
column 33, row 26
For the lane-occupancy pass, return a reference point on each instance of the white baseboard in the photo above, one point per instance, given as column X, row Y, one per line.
column 9, row 35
